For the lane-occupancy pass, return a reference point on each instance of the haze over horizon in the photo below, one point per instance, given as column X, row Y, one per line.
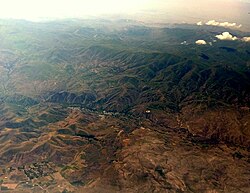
column 145, row 10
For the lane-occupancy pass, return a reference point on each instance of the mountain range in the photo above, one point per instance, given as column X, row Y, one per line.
column 123, row 106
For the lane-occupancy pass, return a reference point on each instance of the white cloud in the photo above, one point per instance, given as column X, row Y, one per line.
column 184, row 43
column 201, row 42
column 226, row 36
column 223, row 24
column 246, row 39
column 199, row 23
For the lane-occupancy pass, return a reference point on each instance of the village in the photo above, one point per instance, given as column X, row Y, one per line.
column 25, row 175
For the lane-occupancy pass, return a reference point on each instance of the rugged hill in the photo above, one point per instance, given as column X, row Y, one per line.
column 124, row 103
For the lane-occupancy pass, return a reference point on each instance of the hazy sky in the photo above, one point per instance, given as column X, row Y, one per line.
column 31, row 9
column 153, row 10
